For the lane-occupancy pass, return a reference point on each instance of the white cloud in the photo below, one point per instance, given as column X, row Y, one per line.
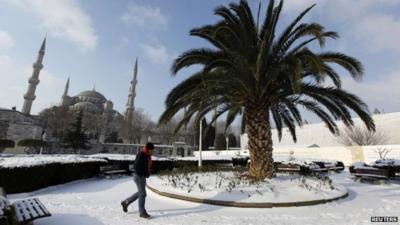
column 369, row 22
column 144, row 16
column 381, row 32
column 157, row 53
column 383, row 93
column 6, row 40
column 63, row 19
column 5, row 60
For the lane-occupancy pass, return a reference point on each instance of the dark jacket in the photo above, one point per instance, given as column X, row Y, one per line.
column 141, row 165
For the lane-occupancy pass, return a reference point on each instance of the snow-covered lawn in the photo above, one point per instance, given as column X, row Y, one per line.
column 233, row 186
column 97, row 202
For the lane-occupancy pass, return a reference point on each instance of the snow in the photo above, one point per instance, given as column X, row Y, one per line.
column 205, row 157
column 97, row 202
column 361, row 165
column 35, row 160
column 12, row 161
column 387, row 162
column 116, row 157
column 219, row 186
column 124, row 157
column 377, row 163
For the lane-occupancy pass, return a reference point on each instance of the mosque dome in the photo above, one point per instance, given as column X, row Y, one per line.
column 91, row 96
column 87, row 107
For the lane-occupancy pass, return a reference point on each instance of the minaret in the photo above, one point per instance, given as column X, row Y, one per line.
column 34, row 80
column 130, row 106
column 65, row 100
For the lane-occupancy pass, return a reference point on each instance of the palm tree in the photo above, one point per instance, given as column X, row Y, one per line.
column 266, row 75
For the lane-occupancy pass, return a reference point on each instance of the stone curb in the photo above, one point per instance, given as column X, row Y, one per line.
column 246, row 204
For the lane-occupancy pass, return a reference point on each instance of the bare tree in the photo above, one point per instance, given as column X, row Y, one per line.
column 94, row 124
column 140, row 127
column 382, row 152
column 361, row 136
column 56, row 121
column 166, row 133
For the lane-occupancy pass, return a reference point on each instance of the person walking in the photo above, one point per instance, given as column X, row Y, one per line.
column 142, row 171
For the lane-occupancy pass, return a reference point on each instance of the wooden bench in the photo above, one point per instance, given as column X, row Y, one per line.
column 297, row 168
column 330, row 166
column 282, row 167
column 26, row 210
column 110, row 170
column 370, row 173
column 390, row 165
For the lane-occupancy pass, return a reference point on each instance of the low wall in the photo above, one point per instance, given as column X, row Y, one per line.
column 347, row 155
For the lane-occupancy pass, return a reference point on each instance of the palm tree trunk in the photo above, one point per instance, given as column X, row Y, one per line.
column 259, row 142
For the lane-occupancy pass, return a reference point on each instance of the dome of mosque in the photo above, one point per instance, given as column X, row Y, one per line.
column 87, row 107
column 91, row 96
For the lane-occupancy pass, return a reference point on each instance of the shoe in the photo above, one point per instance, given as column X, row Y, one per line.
column 124, row 207
column 144, row 215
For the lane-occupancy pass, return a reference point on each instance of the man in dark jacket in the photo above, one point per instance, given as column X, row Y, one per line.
column 142, row 168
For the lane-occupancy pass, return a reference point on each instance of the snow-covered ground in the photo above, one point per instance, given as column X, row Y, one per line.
column 97, row 202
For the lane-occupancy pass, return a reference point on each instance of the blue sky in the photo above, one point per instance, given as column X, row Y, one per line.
column 97, row 41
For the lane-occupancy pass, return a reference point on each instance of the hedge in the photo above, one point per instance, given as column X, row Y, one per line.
column 5, row 143
column 158, row 165
column 26, row 179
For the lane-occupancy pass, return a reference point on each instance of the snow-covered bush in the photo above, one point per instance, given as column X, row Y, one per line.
column 7, row 213
column 238, row 181
column 315, row 182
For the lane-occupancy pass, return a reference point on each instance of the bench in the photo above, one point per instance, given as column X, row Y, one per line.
column 364, row 171
column 110, row 170
column 330, row 166
column 388, row 164
column 22, row 211
column 282, row 167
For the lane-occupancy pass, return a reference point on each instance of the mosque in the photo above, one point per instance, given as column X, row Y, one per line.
column 17, row 125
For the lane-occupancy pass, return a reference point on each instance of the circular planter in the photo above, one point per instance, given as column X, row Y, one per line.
column 247, row 204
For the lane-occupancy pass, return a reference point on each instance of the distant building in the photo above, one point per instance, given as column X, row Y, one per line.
column 89, row 101
column 17, row 125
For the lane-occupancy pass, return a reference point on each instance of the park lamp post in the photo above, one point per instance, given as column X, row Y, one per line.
column 200, row 144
